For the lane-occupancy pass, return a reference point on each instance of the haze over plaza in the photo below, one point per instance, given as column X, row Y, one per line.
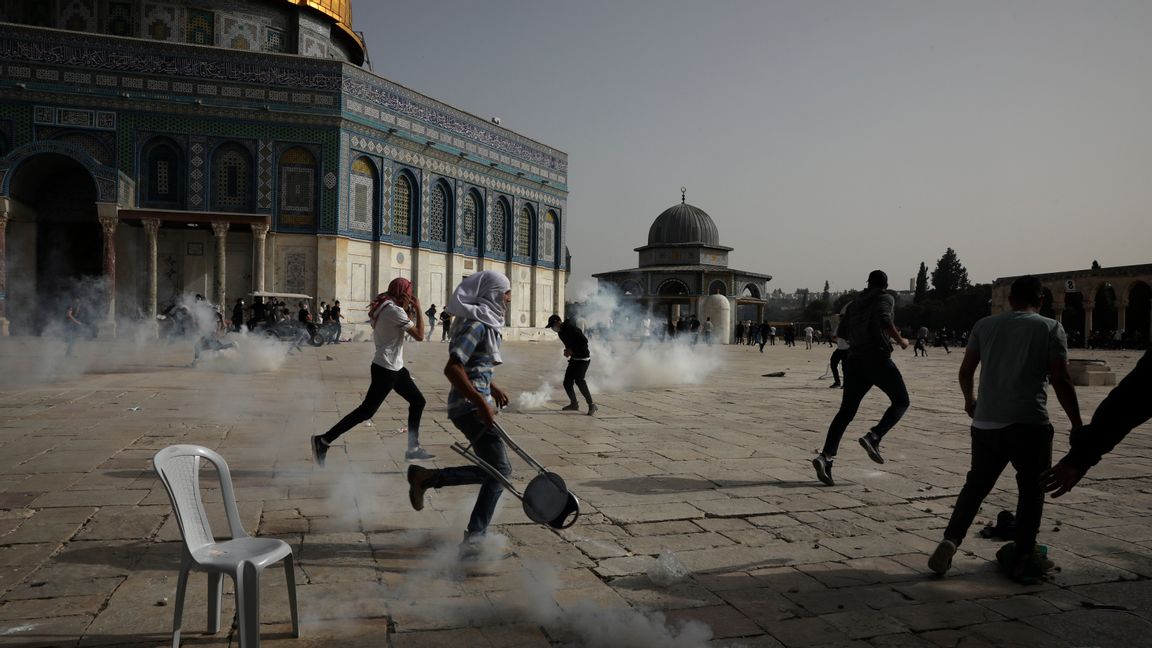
column 824, row 138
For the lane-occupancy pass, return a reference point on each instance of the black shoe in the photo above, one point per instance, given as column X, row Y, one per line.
column 319, row 450
column 823, row 470
column 834, row 385
column 418, row 478
column 570, row 408
column 591, row 410
column 872, row 447
column 941, row 559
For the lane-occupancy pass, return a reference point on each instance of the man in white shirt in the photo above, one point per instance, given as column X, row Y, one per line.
column 393, row 314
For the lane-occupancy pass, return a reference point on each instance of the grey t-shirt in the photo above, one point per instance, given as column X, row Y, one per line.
column 1015, row 351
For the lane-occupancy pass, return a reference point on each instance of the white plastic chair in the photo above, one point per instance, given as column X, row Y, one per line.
column 243, row 557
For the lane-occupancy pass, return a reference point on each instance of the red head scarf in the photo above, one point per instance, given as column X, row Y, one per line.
column 399, row 289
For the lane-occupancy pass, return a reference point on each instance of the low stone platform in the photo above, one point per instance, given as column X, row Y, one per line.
column 715, row 473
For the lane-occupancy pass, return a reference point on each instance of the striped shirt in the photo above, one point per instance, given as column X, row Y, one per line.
column 469, row 346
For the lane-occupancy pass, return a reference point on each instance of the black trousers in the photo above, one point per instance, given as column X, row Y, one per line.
column 1029, row 449
column 574, row 375
column 384, row 381
column 838, row 356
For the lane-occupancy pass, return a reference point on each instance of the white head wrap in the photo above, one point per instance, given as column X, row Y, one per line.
column 480, row 297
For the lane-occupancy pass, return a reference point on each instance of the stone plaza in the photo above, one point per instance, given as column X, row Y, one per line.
column 716, row 473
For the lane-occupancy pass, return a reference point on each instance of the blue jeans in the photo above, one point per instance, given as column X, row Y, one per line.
column 487, row 445
column 860, row 375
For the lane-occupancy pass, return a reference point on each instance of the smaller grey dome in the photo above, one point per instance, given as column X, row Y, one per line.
column 683, row 223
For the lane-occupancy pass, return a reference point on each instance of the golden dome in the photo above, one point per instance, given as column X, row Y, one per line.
column 340, row 10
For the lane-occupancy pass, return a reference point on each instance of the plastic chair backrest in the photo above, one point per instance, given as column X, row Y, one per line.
column 178, row 467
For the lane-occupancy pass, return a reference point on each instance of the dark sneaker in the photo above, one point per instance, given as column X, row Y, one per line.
column 472, row 545
column 570, row 408
column 319, row 450
column 591, row 410
column 872, row 447
column 418, row 454
column 823, row 470
column 941, row 559
column 418, row 478
column 834, row 385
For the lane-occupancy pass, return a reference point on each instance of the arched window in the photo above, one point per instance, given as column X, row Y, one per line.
column 468, row 220
column 717, row 287
column 524, row 233
column 163, row 175
column 402, row 206
column 297, row 187
column 231, row 178
column 437, row 214
column 548, row 236
column 363, row 198
column 498, row 227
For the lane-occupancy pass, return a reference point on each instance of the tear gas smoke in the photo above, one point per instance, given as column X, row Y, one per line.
column 630, row 349
column 592, row 625
column 667, row 570
column 534, row 400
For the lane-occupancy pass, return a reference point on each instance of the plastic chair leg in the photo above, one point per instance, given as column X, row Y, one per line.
column 215, row 593
column 248, row 604
column 178, row 613
column 290, row 577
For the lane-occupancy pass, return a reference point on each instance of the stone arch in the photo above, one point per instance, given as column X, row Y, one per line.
column 1105, row 318
column 440, row 210
column 105, row 177
column 717, row 287
column 750, row 290
column 524, row 232
column 1046, row 305
column 55, row 245
column 672, row 287
column 1138, row 313
column 550, row 236
column 631, row 288
column 162, row 173
column 471, row 220
column 405, row 205
column 232, row 178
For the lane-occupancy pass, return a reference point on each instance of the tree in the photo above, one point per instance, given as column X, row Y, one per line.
column 827, row 296
column 1095, row 264
column 843, row 300
column 921, row 284
column 949, row 277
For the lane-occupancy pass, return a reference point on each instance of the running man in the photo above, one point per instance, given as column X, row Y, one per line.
column 391, row 315
column 477, row 307
column 868, row 327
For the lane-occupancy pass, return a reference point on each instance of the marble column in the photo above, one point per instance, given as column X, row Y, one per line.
column 3, row 267
column 152, row 228
column 108, row 214
column 1122, row 314
column 259, row 234
column 220, row 230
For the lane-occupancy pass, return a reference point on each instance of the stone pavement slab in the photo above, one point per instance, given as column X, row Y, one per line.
column 712, row 469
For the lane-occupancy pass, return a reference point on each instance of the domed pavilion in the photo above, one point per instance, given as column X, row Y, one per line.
column 150, row 150
column 683, row 264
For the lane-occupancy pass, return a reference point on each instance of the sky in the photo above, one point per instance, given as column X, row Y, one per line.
column 824, row 138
